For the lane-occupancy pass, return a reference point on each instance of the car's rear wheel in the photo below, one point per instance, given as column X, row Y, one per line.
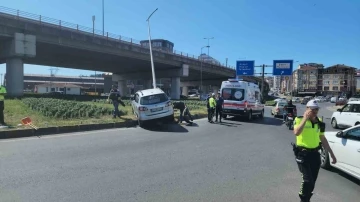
column 325, row 159
column 334, row 123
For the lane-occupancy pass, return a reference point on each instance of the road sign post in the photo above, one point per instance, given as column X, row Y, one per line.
column 245, row 68
column 283, row 67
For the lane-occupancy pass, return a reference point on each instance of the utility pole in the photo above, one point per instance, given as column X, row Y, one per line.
column 226, row 62
column 93, row 20
column 208, row 44
column 95, row 82
column 262, row 80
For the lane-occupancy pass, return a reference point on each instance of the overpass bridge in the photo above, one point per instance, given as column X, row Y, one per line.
column 35, row 39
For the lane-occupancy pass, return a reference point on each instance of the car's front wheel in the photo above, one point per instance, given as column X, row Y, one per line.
column 334, row 123
column 325, row 159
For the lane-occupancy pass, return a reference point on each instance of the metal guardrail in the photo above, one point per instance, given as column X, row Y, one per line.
column 62, row 24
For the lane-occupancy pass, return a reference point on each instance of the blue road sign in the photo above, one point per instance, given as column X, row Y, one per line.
column 245, row 67
column 283, row 67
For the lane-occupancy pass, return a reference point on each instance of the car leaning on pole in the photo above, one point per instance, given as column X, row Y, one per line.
column 152, row 105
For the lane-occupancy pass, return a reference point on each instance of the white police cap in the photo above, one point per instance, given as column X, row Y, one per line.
column 313, row 104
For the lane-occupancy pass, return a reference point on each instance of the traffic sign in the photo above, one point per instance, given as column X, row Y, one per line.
column 245, row 68
column 283, row 67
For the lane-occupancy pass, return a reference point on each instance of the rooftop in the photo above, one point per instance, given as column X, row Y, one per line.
column 59, row 85
column 151, row 91
column 63, row 76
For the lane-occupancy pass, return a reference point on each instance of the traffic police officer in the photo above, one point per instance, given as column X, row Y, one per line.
column 211, row 109
column 309, row 131
column 2, row 104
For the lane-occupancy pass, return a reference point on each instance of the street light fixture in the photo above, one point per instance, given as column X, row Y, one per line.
column 208, row 44
column 151, row 56
column 201, row 61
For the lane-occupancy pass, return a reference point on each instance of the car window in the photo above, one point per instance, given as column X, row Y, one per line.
column 356, row 108
column 281, row 104
column 346, row 108
column 154, row 99
column 354, row 133
column 235, row 94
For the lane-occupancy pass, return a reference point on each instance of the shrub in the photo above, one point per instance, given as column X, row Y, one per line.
column 65, row 109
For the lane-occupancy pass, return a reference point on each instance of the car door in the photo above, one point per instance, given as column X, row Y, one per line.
column 342, row 118
column 135, row 104
column 351, row 147
column 354, row 114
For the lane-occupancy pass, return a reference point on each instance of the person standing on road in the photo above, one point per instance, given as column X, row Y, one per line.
column 212, row 105
column 2, row 104
column 309, row 131
column 219, row 107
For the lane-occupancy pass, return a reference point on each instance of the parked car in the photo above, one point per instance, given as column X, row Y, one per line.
column 347, row 116
column 341, row 102
column 296, row 99
column 304, row 101
column 278, row 109
column 333, row 99
column 152, row 104
column 346, row 147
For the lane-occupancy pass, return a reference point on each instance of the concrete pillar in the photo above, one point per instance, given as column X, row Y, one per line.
column 175, row 88
column 185, row 91
column 216, row 89
column 108, row 82
column 122, row 88
column 147, row 84
column 14, row 76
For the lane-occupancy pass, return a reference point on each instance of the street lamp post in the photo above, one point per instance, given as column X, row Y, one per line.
column 103, row 17
column 151, row 56
column 208, row 44
column 201, row 62
column 93, row 20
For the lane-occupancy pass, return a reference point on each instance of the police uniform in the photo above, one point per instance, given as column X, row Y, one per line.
column 307, row 152
column 211, row 110
column 2, row 104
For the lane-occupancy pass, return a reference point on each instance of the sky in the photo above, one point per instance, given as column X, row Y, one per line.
column 320, row 31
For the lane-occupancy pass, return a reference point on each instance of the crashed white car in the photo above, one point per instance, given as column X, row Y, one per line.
column 346, row 147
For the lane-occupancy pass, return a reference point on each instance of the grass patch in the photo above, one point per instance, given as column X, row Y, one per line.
column 16, row 109
column 270, row 103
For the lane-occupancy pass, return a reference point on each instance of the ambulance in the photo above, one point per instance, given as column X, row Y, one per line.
column 241, row 98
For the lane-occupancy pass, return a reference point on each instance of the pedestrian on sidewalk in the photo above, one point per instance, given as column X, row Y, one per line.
column 309, row 131
column 219, row 107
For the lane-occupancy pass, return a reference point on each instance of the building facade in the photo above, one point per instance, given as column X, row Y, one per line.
column 277, row 83
column 314, row 79
column 305, row 79
column 68, row 89
column 337, row 80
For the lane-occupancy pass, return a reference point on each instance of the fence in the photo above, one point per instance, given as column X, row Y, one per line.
column 62, row 24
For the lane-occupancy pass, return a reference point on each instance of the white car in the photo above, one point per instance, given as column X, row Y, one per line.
column 346, row 147
column 347, row 116
column 152, row 104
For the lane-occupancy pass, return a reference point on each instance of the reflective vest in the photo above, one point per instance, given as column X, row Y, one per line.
column 2, row 92
column 310, row 136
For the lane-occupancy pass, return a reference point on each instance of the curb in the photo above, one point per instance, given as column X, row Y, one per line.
column 71, row 129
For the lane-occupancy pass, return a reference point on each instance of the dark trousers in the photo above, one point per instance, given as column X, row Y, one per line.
column 2, row 106
column 218, row 112
column 309, row 166
column 211, row 112
column 116, row 111
column 185, row 115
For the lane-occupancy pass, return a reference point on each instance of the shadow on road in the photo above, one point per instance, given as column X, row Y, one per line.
column 263, row 121
column 176, row 128
column 345, row 175
column 228, row 124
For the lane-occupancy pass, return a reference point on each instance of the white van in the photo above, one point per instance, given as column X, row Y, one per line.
column 241, row 98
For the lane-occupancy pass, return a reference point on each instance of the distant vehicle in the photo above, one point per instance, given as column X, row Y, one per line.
column 280, row 99
column 305, row 100
column 333, row 99
column 347, row 116
column 279, row 109
column 296, row 99
column 340, row 102
column 346, row 147
column 241, row 98
column 152, row 104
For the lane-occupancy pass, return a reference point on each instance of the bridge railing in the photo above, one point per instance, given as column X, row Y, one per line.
column 17, row 14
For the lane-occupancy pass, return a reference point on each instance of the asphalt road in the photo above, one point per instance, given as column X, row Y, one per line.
column 233, row 161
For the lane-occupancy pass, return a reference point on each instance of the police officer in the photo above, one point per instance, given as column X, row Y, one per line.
column 2, row 104
column 309, row 131
column 211, row 109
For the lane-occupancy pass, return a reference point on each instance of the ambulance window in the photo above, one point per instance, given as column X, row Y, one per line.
column 257, row 95
column 235, row 94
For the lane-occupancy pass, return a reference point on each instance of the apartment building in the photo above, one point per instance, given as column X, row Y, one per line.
column 305, row 78
column 276, row 83
column 337, row 80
